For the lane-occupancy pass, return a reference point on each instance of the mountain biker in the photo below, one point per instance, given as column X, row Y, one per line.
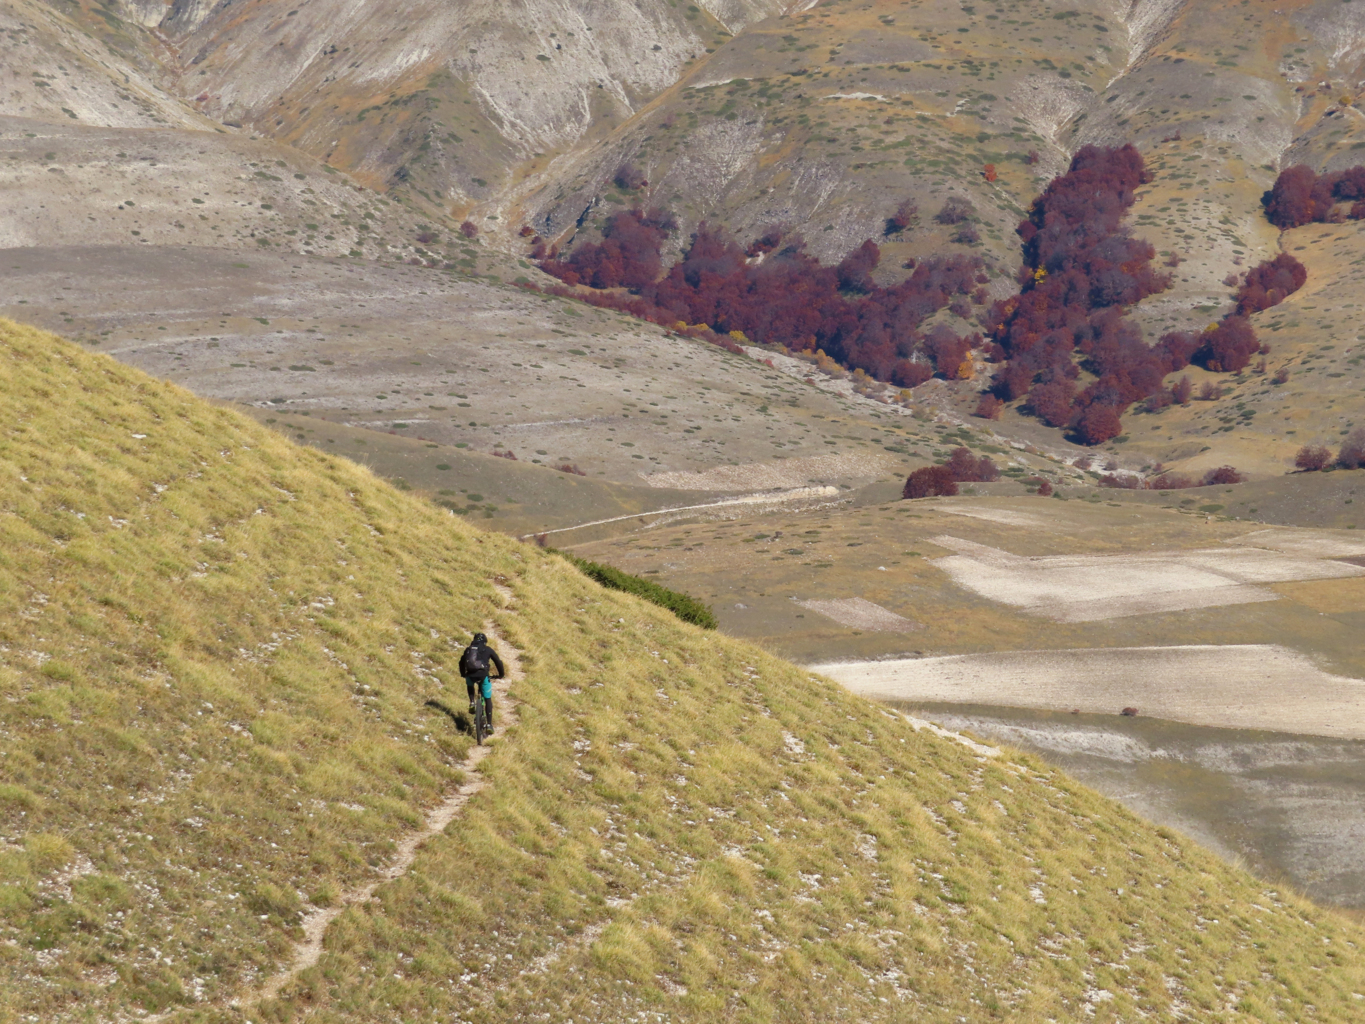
column 474, row 667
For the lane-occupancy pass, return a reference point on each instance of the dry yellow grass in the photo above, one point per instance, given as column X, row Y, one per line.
column 214, row 649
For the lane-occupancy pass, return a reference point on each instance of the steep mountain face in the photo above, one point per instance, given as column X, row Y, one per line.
column 828, row 120
column 455, row 100
column 63, row 64
column 823, row 118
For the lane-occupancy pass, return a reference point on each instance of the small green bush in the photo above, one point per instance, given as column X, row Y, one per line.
column 687, row 608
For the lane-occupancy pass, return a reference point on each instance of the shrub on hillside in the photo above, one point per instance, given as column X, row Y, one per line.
column 687, row 608
column 1312, row 457
column 469, row 229
column 902, row 218
column 1222, row 475
column 967, row 468
column 629, row 178
column 1270, row 283
column 989, row 407
column 955, row 210
column 930, row 482
column 1352, row 453
column 1301, row 196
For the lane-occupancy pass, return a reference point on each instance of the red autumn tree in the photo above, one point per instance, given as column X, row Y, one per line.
column 1352, row 453
column 989, row 407
column 968, row 468
column 929, row 482
column 1097, row 424
column 1312, row 457
column 1270, row 283
column 1222, row 475
column 1229, row 346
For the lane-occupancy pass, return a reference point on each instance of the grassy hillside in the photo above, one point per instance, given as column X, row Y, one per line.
column 214, row 651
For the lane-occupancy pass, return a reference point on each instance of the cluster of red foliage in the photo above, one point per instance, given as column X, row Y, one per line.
column 1270, row 283
column 1081, row 268
column 469, row 229
column 1312, row 458
column 1228, row 345
column 571, row 468
column 627, row 257
column 968, row 468
column 1300, row 196
column 930, row 482
column 1173, row 481
column 777, row 293
column 504, row 455
column 941, row 481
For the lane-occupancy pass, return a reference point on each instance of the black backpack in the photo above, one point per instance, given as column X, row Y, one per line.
column 474, row 661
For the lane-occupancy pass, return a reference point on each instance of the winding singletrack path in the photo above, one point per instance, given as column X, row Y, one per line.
column 308, row 951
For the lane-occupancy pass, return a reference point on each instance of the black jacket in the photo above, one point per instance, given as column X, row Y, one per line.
column 491, row 655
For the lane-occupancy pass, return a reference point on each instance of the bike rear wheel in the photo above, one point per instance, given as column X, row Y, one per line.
column 480, row 721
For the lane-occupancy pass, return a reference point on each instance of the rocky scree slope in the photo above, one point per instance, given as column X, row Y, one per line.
column 214, row 657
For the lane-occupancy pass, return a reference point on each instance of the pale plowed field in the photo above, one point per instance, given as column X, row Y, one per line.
column 1248, row 686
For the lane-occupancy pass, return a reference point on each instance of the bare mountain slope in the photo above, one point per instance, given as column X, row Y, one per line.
column 60, row 63
column 827, row 120
column 454, row 98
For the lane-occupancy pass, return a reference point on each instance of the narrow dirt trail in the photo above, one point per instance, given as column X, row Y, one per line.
column 308, row 951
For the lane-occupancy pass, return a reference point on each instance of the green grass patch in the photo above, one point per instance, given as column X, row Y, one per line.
column 685, row 607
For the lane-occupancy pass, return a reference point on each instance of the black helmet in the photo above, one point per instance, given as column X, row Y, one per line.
column 479, row 638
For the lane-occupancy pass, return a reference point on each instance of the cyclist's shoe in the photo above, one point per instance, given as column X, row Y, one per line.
column 471, row 708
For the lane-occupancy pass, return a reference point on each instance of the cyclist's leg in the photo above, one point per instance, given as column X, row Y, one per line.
column 469, row 686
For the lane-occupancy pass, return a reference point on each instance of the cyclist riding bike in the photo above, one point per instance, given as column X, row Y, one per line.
column 474, row 663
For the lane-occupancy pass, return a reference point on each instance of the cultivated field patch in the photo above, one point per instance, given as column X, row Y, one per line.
column 1084, row 588
column 1003, row 516
column 860, row 613
column 1247, row 686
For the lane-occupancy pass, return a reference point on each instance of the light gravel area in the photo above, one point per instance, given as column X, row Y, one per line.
column 1084, row 588
column 1243, row 686
column 860, row 613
